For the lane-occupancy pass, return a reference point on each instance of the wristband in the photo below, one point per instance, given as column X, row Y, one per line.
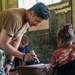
column 24, row 57
column 10, row 62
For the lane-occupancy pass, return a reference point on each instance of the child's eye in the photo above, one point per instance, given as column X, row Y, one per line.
column 22, row 43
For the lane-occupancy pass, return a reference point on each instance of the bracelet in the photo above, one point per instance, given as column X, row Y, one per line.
column 10, row 62
column 24, row 57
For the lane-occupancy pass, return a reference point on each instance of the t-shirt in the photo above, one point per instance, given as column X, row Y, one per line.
column 62, row 56
column 63, row 60
column 14, row 21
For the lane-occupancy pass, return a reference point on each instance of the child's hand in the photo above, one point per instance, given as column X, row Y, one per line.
column 46, row 68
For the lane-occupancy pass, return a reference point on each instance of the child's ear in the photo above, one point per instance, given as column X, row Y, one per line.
column 61, row 40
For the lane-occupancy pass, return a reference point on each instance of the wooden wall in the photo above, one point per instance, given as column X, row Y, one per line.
column 73, row 13
column 0, row 5
column 5, row 4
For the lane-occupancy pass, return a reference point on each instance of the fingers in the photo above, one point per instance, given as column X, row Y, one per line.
column 30, row 57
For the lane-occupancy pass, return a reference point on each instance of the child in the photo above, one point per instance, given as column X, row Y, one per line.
column 63, row 59
column 23, row 47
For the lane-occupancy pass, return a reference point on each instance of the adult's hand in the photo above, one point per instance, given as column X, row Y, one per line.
column 30, row 57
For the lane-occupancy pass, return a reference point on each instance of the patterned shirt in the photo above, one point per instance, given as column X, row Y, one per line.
column 62, row 56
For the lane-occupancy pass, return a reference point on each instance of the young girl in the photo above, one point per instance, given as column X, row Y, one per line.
column 63, row 59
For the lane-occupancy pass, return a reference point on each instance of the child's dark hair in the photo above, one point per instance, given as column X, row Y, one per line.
column 41, row 10
column 66, row 32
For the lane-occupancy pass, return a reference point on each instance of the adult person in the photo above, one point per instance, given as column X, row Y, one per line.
column 14, row 23
column 63, row 59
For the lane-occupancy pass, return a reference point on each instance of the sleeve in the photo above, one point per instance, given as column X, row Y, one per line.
column 11, row 25
column 26, row 49
column 54, row 60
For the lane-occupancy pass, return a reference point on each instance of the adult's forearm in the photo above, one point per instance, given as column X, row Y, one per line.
column 11, row 50
column 15, row 44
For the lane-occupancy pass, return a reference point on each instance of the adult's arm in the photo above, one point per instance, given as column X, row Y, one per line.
column 15, row 43
column 5, row 45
